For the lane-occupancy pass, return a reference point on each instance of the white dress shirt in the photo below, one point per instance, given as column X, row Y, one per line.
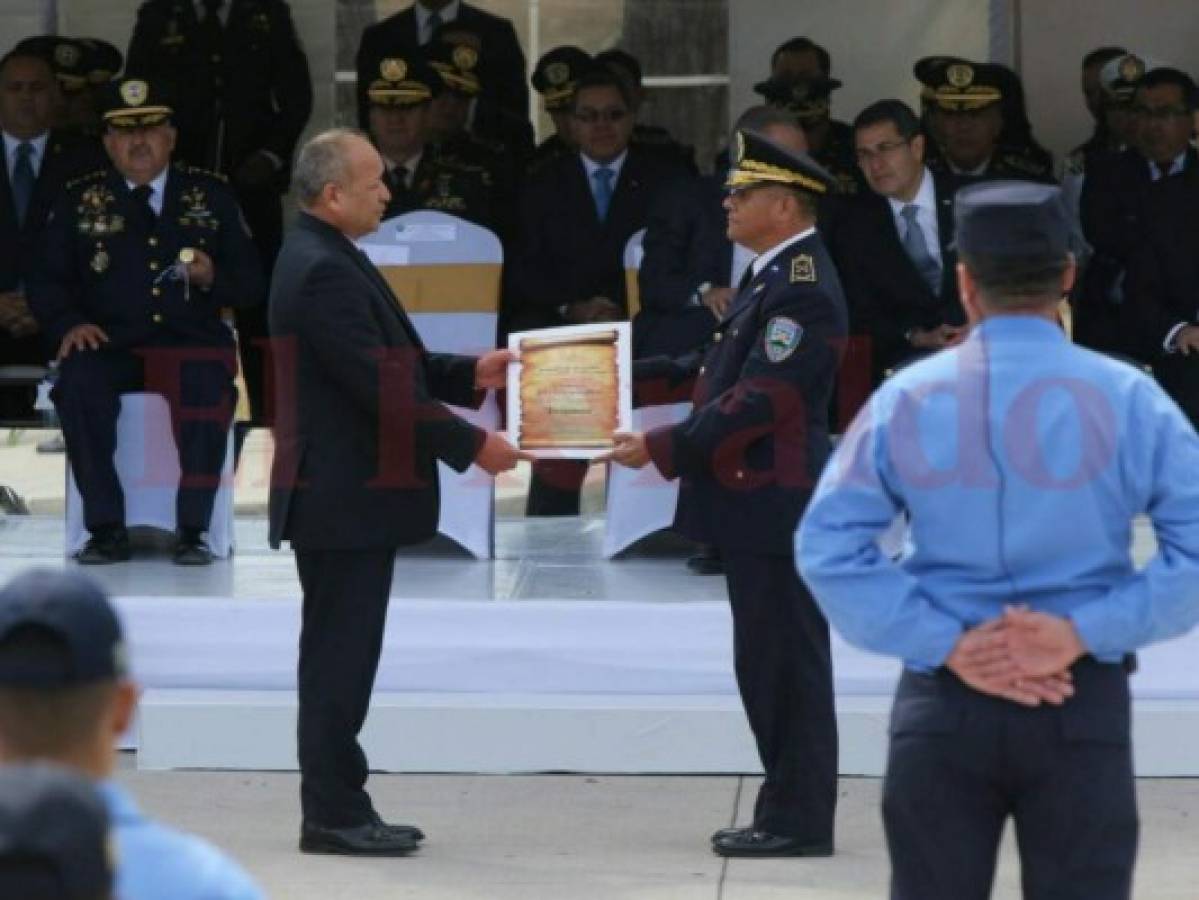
column 925, row 202
column 35, row 158
column 222, row 13
column 767, row 258
column 590, row 166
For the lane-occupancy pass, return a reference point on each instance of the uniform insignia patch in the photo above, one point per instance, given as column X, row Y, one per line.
column 782, row 337
column 803, row 268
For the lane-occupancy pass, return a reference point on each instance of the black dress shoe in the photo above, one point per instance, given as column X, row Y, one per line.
column 706, row 561
column 105, row 546
column 746, row 842
column 190, row 549
column 362, row 840
column 411, row 831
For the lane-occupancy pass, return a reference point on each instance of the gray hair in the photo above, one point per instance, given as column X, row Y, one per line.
column 321, row 161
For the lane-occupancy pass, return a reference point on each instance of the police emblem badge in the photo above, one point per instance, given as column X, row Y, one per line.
column 783, row 335
column 393, row 69
column 465, row 58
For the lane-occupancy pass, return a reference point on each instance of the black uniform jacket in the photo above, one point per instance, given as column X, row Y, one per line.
column 751, row 451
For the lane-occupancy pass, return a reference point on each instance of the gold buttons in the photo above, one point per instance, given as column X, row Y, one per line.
column 216, row 57
column 739, row 474
column 156, row 292
column 153, row 265
column 717, row 336
column 158, row 321
column 153, row 242
column 702, row 369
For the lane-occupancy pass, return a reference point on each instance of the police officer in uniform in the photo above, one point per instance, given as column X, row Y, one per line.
column 748, row 456
column 830, row 141
column 239, row 82
column 965, row 109
column 136, row 264
column 554, row 78
column 1016, row 632
column 398, row 117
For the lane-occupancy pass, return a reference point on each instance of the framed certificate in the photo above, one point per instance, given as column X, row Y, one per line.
column 571, row 390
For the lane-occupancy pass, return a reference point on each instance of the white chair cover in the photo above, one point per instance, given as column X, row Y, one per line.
column 451, row 324
column 148, row 466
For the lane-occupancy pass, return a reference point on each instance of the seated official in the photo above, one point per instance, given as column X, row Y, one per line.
column 966, row 119
column 652, row 137
column 136, row 265
column 576, row 215
column 1160, row 313
column 38, row 161
column 898, row 266
column 399, row 118
column 458, row 66
column 554, row 78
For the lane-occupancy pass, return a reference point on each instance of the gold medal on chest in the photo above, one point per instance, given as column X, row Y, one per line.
column 100, row 261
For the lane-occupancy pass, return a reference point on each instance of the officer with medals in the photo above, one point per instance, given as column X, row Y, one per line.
column 1020, row 461
column 398, row 116
column 965, row 106
column 137, row 262
column 749, row 455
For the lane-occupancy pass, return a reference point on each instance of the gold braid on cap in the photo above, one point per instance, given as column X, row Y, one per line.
column 750, row 171
column 974, row 97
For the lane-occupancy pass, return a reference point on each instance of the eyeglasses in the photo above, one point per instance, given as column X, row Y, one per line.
column 866, row 154
column 1162, row 113
column 611, row 115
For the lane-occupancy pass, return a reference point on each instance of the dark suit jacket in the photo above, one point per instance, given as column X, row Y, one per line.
column 358, row 432
column 253, row 82
column 564, row 253
column 501, row 61
column 65, row 159
column 752, row 449
column 887, row 297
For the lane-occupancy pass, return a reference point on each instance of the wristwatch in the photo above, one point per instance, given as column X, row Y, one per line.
column 697, row 297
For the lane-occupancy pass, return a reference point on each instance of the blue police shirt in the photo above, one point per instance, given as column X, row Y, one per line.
column 1021, row 461
column 154, row 861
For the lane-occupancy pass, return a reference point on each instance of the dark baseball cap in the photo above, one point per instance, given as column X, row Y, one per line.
column 72, row 610
column 54, row 836
column 1011, row 218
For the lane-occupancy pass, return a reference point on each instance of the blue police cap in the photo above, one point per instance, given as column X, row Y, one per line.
column 1011, row 218
column 54, row 838
column 72, row 609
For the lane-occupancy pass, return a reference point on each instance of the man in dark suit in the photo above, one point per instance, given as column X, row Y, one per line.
column 576, row 216
column 503, row 62
column 38, row 161
column 895, row 243
column 360, row 430
column 749, row 455
column 1161, row 308
column 134, row 268
column 1112, row 204
column 243, row 95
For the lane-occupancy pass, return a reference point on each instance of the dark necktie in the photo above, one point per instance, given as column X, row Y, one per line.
column 746, row 277
column 401, row 194
column 142, row 194
column 23, row 180
column 431, row 25
column 1160, row 171
column 210, row 25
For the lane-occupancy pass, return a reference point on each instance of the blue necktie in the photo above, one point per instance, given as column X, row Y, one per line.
column 602, row 190
column 23, row 180
column 917, row 249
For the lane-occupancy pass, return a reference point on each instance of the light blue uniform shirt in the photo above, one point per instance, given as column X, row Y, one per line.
column 158, row 863
column 1021, row 461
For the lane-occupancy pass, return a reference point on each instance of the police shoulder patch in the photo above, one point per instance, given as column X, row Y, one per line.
column 783, row 335
column 803, row 269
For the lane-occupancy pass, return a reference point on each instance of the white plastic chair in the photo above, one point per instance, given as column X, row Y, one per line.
column 446, row 272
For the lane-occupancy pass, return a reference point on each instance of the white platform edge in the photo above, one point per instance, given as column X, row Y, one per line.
column 519, row 733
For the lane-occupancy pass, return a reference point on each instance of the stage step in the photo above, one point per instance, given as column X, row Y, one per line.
column 513, row 733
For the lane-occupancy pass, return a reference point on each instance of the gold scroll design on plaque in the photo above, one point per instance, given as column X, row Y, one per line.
column 569, row 393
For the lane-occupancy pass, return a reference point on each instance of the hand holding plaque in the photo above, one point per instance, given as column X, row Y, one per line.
column 572, row 389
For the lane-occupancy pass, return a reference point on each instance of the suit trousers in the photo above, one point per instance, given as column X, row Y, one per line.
column 198, row 386
column 785, row 676
column 1179, row 377
column 341, row 636
column 960, row 763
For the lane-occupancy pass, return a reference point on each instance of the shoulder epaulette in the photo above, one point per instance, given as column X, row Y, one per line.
column 83, row 179
column 196, row 170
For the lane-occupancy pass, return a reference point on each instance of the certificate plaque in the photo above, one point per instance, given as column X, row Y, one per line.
column 571, row 390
